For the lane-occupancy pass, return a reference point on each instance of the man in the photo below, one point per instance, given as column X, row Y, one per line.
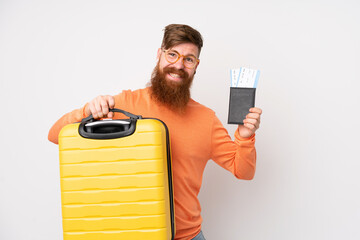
column 196, row 133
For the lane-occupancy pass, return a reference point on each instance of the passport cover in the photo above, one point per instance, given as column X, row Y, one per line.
column 241, row 100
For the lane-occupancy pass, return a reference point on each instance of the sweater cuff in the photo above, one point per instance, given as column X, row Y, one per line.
column 239, row 139
column 83, row 114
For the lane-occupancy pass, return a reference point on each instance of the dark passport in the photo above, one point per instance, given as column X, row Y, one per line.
column 241, row 100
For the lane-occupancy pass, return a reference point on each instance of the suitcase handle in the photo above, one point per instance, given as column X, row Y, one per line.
column 108, row 129
column 90, row 118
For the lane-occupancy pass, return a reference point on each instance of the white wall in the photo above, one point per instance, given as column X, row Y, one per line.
column 56, row 55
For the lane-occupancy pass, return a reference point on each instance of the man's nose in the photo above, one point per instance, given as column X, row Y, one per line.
column 179, row 64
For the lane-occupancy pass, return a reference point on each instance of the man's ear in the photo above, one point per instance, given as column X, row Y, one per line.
column 197, row 66
column 158, row 54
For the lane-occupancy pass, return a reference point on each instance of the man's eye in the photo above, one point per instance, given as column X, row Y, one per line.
column 190, row 60
column 172, row 54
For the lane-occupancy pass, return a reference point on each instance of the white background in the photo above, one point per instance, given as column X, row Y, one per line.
column 57, row 55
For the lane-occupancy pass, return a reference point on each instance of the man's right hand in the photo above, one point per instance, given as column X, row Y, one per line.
column 99, row 107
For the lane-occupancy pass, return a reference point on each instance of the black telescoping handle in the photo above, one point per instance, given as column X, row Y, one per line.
column 107, row 131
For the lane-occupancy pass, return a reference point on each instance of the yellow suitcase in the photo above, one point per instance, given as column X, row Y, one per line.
column 116, row 181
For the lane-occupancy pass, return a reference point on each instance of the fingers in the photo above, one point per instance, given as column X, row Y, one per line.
column 111, row 104
column 252, row 124
column 252, row 127
column 110, row 115
column 99, row 106
column 253, row 115
column 255, row 110
column 252, row 120
column 111, row 101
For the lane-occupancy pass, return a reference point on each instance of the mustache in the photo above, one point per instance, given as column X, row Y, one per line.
column 180, row 72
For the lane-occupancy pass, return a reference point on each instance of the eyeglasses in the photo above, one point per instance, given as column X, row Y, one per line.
column 173, row 56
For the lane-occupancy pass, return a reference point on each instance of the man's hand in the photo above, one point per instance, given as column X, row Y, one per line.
column 99, row 107
column 251, row 123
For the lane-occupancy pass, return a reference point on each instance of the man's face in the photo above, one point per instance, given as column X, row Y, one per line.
column 171, row 82
column 185, row 49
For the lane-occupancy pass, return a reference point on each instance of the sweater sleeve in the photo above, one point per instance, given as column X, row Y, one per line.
column 71, row 117
column 238, row 157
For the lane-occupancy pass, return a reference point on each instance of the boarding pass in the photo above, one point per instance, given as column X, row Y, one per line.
column 244, row 77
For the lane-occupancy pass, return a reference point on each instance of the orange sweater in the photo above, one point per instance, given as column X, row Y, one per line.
column 195, row 137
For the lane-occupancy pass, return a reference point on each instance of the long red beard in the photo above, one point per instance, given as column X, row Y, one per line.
column 174, row 95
